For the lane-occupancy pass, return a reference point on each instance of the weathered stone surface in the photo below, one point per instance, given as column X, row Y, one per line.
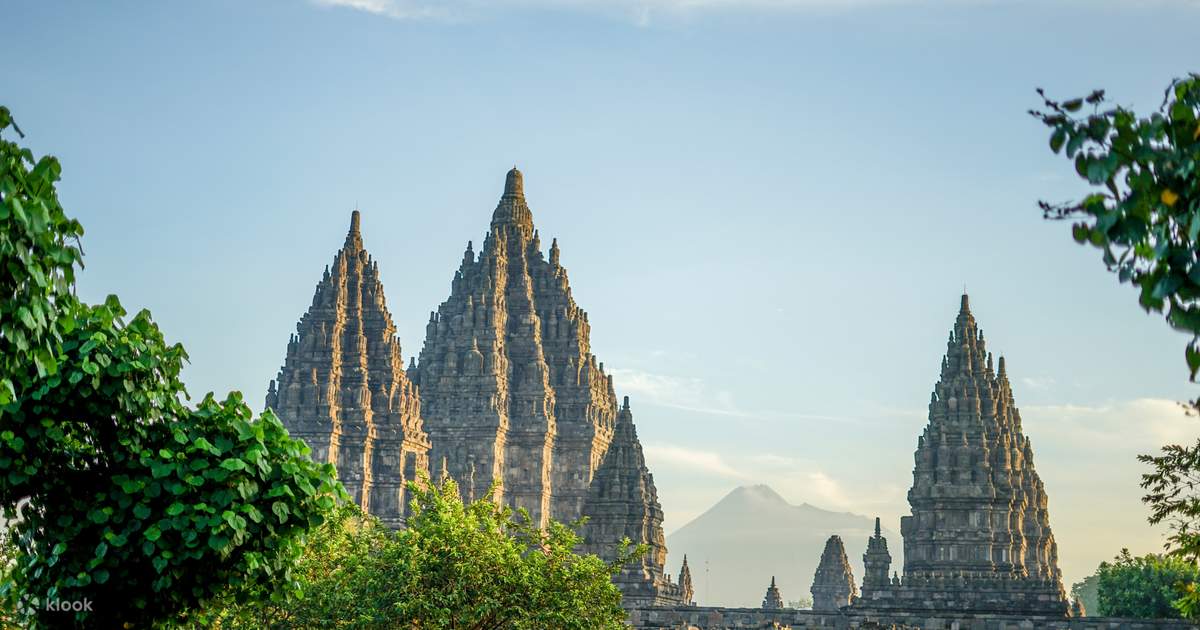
column 773, row 600
column 622, row 502
column 833, row 584
column 978, row 538
column 343, row 389
column 509, row 387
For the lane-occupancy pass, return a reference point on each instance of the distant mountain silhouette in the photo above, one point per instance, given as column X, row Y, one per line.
column 753, row 534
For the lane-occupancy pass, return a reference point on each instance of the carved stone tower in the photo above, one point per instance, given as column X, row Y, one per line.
column 772, row 600
column 877, row 561
column 685, row 584
column 509, row 387
column 343, row 390
column 978, row 538
column 623, row 503
column 833, row 584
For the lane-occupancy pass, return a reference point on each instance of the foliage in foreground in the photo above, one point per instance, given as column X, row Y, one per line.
column 133, row 504
column 1146, row 587
column 472, row 566
column 1145, row 217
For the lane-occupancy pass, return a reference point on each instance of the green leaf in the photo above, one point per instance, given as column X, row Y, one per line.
column 1057, row 139
column 233, row 464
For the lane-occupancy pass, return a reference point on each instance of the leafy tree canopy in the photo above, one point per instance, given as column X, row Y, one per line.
column 474, row 566
column 132, row 503
column 1146, row 587
column 1145, row 212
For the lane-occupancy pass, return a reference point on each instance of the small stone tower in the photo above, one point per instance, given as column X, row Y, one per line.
column 877, row 561
column 622, row 502
column 833, row 585
column 685, row 583
column 772, row 600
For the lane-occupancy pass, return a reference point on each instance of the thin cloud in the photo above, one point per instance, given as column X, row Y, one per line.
column 692, row 459
column 1145, row 423
column 693, row 394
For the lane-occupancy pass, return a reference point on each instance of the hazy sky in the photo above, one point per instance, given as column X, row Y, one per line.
column 769, row 208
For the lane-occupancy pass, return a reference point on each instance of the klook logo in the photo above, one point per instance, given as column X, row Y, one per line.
column 59, row 605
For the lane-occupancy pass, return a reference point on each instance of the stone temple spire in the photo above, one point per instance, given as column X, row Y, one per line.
column 833, row 584
column 343, row 390
column 622, row 502
column 685, row 583
column 979, row 534
column 877, row 561
column 773, row 600
column 509, row 385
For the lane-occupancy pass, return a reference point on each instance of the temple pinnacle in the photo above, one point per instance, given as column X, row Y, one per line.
column 514, row 184
column 354, row 235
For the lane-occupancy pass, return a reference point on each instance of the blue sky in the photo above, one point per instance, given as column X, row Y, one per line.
column 768, row 208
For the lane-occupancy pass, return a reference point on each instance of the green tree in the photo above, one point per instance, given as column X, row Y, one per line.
column 133, row 503
column 1147, row 587
column 471, row 566
column 1144, row 216
column 1088, row 593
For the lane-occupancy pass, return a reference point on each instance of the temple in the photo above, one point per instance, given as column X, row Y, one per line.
column 506, row 398
column 510, row 389
column 979, row 536
column 343, row 389
column 773, row 600
column 623, row 503
column 833, row 584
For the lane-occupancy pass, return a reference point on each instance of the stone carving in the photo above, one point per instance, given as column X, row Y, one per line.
column 510, row 390
column 1077, row 609
column 833, row 584
column 343, row 389
column 978, row 538
column 623, row 503
column 772, row 600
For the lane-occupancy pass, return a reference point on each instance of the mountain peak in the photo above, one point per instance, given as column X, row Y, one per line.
column 759, row 492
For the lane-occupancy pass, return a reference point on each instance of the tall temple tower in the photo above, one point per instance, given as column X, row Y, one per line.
column 978, row 538
column 343, row 390
column 510, row 390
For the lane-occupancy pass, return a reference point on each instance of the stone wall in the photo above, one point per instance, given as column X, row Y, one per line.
column 714, row 618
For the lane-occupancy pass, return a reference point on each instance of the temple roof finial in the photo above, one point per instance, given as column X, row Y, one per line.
column 877, row 532
column 514, row 184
